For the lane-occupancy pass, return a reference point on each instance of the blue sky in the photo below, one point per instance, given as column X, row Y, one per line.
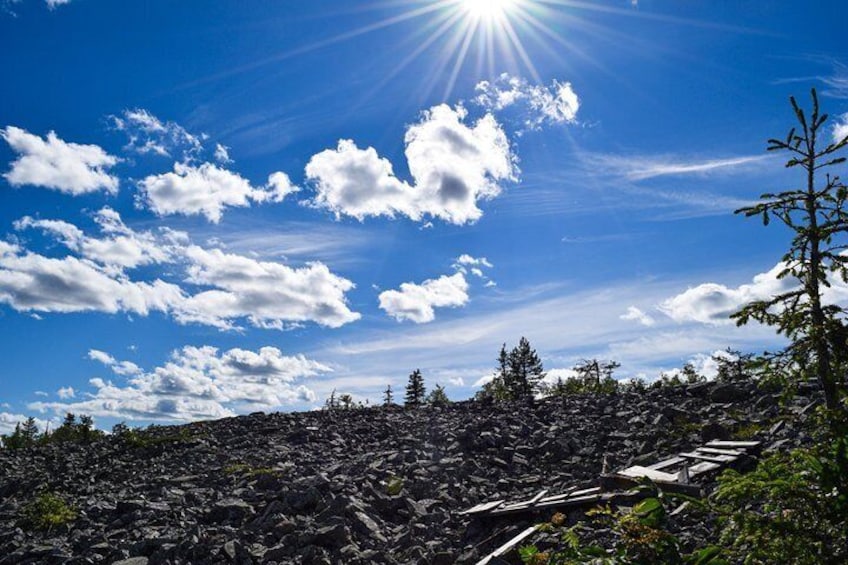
column 211, row 208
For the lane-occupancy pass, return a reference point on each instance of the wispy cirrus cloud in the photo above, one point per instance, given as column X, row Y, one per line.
column 147, row 134
column 643, row 167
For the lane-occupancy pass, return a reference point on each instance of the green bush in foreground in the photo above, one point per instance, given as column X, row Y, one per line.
column 640, row 539
column 791, row 509
column 48, row 511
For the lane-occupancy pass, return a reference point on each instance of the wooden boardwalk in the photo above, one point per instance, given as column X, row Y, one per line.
column 674, row 474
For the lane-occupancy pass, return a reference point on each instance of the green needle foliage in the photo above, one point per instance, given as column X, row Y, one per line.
column 816, row 213
column 415, row 390
column 48, row 511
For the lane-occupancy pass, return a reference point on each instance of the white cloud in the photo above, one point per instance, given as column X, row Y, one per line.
column 228, row 286
column 9, row 421
column 712, row 303
column 124, row 368
column 466, row 260
column 31, row 282
column 53, row 163
column 840, row 128
column 206, row 190
column 538, row 105
column 707, row 365
column 454, row 166
column 416, row 302
column 200, row 383
column 270, row 295
column 467, row 264
column 148, row 134
column 66, row 392
column 638, row 315
column 552, row 376
column 222, row 154
column 52, row 4
column 122, row 248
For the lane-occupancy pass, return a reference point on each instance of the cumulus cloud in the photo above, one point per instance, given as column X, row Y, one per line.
column 637, row 315
column 466, row 260
column 200, row 383
column 34, row 283
column 454, row 166
column 122, row 247
column 537, row 105
column 55, row 3
column 226, row 287
column 124, row 368
column 59, row 165
column 206, row 190
column 66, row 392
column 467, row 264
column 8, row 422
column 416, row 302
column 148, row 134
column 840, row 128
column 707, row 365
column 713, row 303
column 270, row 295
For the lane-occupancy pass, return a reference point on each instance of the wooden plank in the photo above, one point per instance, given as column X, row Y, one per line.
column 586, row 491
column 483, row 507
column 733, row 444
column 707, row 457
column 713, row 450
column 568, row 492
column 507, row 547
column 667, row 463
column 702, row 468
column 638, row 471
column 574, row 501
column 620, row 482
column 538, row 497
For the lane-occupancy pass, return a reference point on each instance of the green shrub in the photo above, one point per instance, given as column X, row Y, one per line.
column 48, row 511
column 790, row 509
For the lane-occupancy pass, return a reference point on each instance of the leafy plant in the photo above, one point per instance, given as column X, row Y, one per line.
column 639, row 533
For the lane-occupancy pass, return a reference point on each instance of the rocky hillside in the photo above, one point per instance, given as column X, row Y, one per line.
column 370, row 485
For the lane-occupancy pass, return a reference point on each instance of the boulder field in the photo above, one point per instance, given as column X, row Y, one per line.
column 365, row 485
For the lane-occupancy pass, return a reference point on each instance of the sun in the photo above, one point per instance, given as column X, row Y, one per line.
column 488, row 9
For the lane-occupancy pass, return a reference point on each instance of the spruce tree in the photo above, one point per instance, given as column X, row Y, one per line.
column 388, row 396
column 815, row 212
column 438, row 396
column 415, row 390
column 525, row 370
